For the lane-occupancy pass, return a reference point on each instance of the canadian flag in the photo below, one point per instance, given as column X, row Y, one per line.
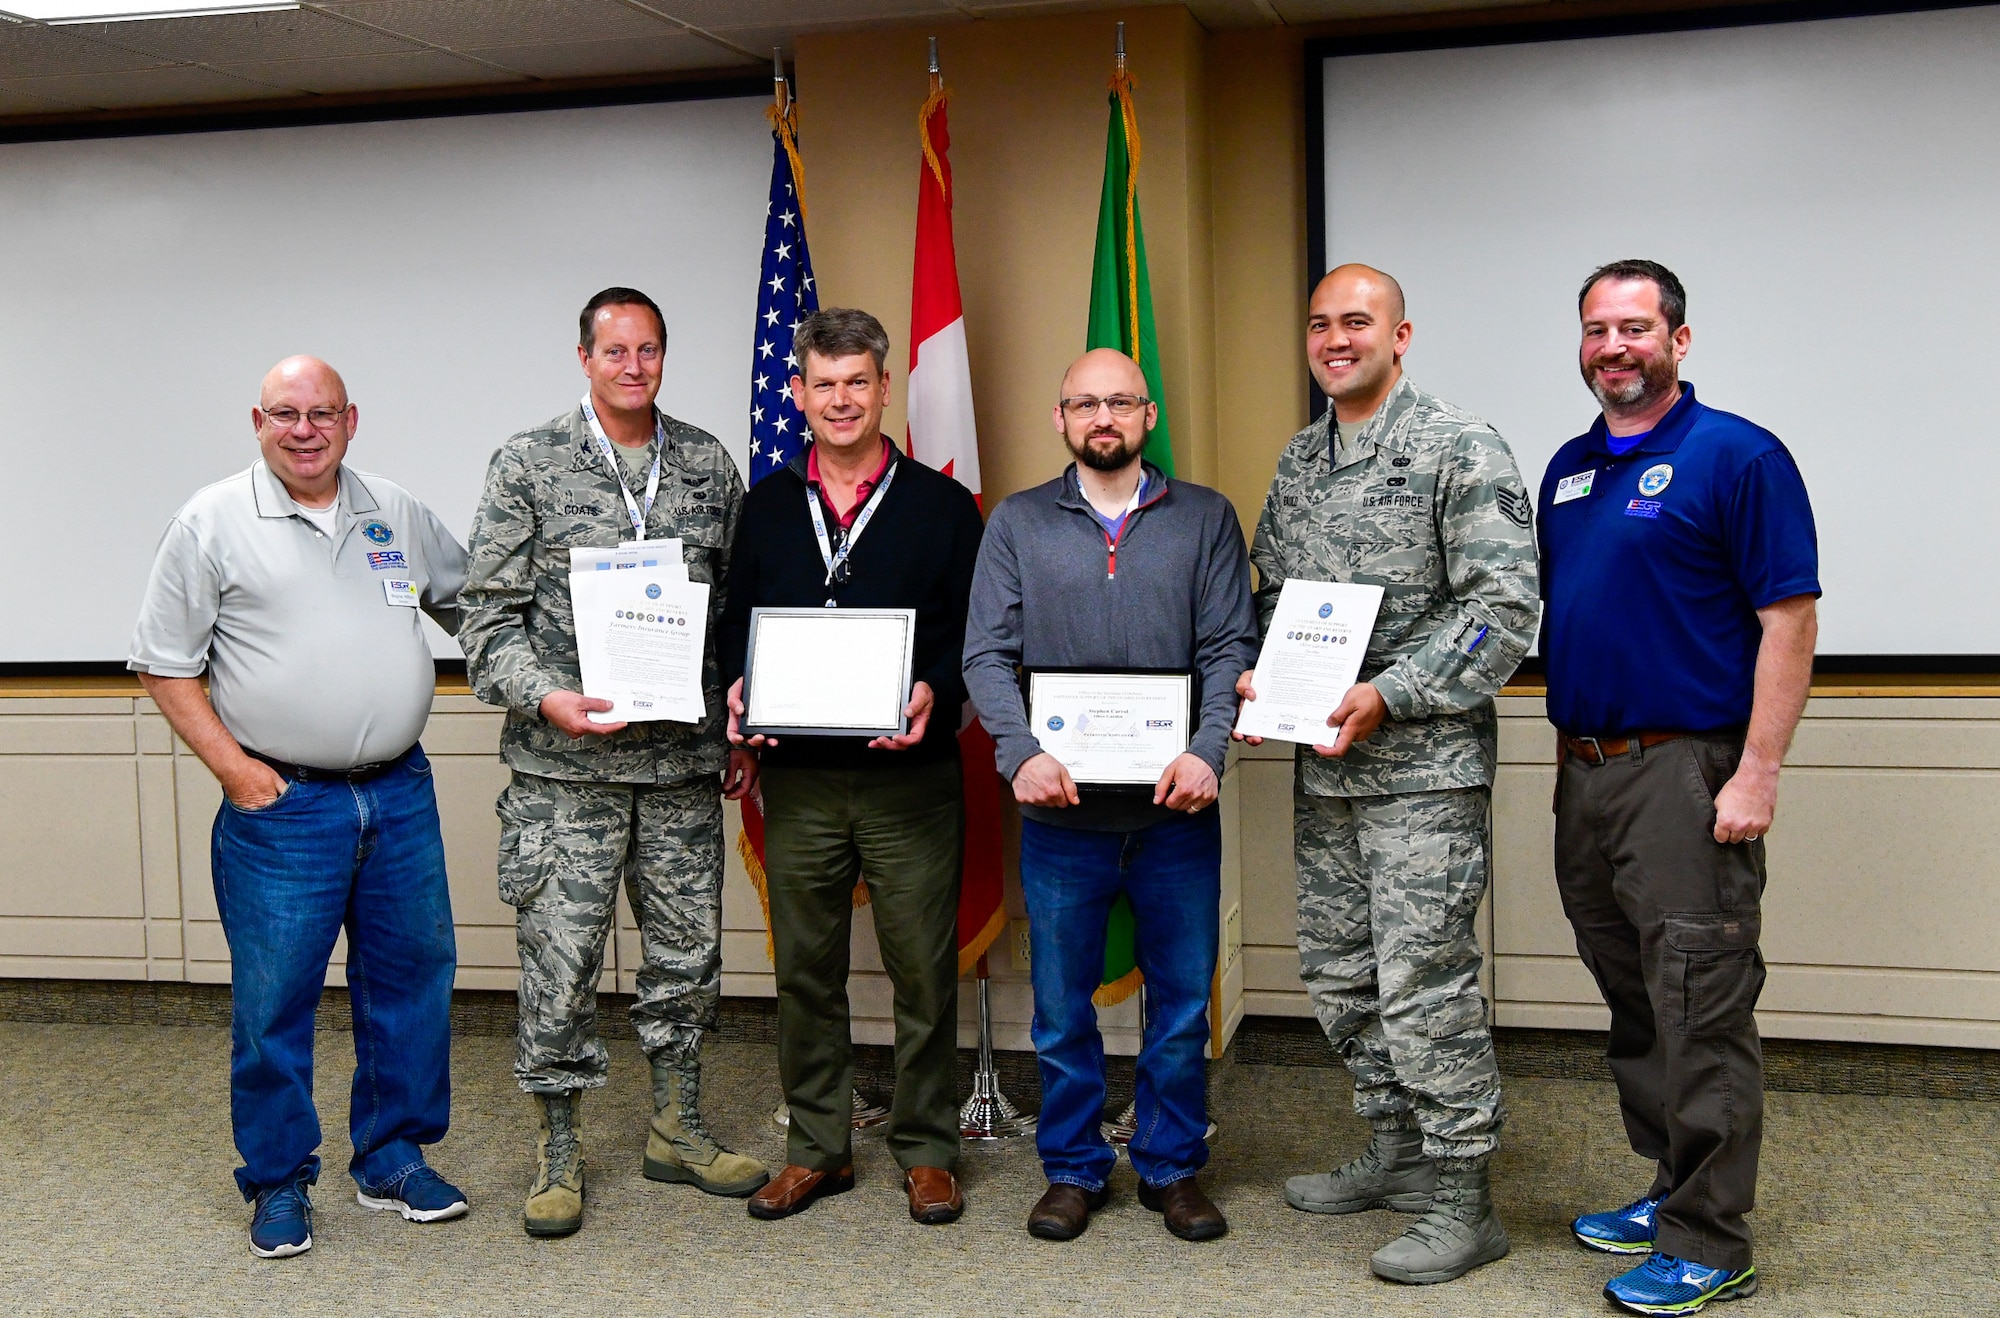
column 942, row 436
column 940, row 389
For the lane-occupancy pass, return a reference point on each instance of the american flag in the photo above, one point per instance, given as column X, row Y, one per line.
column 785, row 296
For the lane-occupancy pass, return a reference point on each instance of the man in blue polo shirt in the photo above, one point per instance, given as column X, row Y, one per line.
column 1680, row 578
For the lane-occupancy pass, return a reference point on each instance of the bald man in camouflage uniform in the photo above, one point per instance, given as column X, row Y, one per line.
column 591, row 805
column 1396, row 488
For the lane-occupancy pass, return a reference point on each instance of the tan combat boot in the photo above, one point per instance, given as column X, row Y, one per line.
column 679, row 1147
column 555, row 1201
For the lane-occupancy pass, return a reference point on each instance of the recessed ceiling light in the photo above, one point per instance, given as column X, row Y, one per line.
column 119, row 11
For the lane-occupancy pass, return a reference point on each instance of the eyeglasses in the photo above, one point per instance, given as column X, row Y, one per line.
column 320, row 418
column 1084, row 405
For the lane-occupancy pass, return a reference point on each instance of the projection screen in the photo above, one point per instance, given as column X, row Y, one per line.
column 1826, row 190
column 438, row 263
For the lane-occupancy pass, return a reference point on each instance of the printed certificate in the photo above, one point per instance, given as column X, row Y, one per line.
column 1311, row 656
column 1112, row 728
column 828, row 672
column 639, row 639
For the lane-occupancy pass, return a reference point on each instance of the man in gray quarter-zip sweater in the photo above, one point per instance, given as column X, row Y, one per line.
column 1114, row 566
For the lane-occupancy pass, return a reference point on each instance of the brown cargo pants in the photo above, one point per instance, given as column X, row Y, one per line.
column 1667, row 920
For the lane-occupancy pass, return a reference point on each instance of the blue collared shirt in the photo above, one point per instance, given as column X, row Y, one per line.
column 1654, row 564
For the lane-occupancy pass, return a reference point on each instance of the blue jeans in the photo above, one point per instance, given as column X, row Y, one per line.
column 1172, row 873
column 288, row 877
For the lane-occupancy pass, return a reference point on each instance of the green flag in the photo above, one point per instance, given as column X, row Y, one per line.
column 1121, row 317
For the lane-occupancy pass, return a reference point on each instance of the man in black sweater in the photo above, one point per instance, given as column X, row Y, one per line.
column 888, row 811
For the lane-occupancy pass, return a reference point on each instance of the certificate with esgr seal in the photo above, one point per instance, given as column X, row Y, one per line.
column 1116, row 729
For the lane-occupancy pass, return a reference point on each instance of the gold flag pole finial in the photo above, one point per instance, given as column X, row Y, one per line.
column 783, row 112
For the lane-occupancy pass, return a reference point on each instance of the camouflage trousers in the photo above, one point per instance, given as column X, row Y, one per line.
column 1388, row 889
column 564, row 848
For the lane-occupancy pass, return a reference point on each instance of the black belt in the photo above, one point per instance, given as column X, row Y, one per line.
column 305, row 773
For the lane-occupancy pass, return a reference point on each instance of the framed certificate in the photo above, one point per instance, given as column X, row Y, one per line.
column 1112, row 729
column 828, row 672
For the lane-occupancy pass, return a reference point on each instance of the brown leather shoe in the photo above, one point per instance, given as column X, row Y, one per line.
column 1064, row 1210
column 935, row 1198
column 1188, row 1212
column 794, row 1189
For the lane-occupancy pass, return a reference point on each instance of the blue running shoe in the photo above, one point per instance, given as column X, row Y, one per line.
column 1627, row 1230
column 421, row 1196
column 282, row 1224
column 1665, row 1284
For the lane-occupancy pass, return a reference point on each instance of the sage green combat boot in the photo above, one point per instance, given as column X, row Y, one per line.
column 679, row 1147
column 555, row 1201
column 1458, row 1233
column 1392, row 1172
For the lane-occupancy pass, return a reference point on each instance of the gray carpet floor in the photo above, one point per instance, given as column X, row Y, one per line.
column 116, row 1198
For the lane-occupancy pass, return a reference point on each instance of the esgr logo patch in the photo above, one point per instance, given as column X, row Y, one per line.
column 388, row 561
column 378, row 533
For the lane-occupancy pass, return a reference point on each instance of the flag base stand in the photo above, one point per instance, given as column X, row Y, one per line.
column 988, row 1115
column 867, row 1112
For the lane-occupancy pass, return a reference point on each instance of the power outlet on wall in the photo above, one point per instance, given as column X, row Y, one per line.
column 1017, row 944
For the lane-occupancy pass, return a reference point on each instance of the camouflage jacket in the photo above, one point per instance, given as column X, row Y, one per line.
column 548, row 490
column 1428, row 504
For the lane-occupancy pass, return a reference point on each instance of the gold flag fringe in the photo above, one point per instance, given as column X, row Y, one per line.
column 785, row 123
column 1122, row 85
column 933, row 102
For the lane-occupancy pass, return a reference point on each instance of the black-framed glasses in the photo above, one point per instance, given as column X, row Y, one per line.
column 320, row 418
column 1083, row 406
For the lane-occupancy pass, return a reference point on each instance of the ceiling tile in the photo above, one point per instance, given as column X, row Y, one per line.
column 591, row 59
column 467, row 23
column 719, row 15
column 13, row 102
column 27, row 51
column 240, row 38
column 183, row 85
column 370, row 73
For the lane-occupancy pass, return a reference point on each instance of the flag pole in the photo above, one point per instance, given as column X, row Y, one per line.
column 988, row 1115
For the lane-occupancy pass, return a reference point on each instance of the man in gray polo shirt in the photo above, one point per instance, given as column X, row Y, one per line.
column 296, row 586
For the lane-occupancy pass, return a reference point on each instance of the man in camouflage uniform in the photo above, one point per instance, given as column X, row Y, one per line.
column 1395, row 488
column 592, row 803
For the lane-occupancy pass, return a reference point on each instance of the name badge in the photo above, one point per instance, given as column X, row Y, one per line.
column 1574, row 487
column 401, row 592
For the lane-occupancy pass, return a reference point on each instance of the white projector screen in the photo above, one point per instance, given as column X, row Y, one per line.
column 439, row 264
column 1827, row 191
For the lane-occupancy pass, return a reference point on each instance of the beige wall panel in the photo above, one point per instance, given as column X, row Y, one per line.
column 1928, row 994
column 1257, row 1002
column 1899, row 743
column 1270, row 876
column 70, row 967
column 63, row 706
column 487, row 946
column 69, row 836
column 164, row 942
column 159, row 841
column 743, row 952
column 22, row 936
column 197, row 796
column 466, row 788
column 1527, row 911
column 1885, row 868
column 155, row 735
column 463, row 734
column 67, row 736
column 1272, row 969
column 205, row 942
column 746, row 984
column 1257, row 182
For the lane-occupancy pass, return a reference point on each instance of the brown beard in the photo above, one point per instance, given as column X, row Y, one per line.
column 1656, row 379
column 1099, row 460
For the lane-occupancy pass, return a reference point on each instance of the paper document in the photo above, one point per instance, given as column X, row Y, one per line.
column 661, row 555
column 1311, row 656
column 639, row 639
column 1123, row 728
